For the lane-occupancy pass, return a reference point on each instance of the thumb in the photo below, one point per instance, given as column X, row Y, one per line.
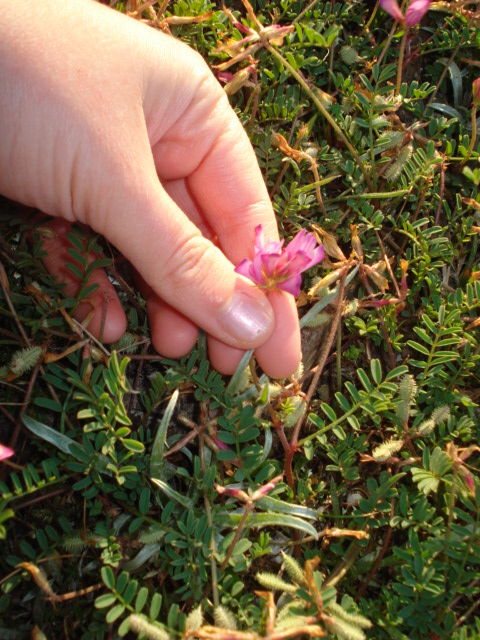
column 184, row 268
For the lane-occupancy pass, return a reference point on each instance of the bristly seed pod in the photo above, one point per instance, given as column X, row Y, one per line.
column 24, row 360
column 224, row 618
column 349, row 55
column 426, row 427
column 194, row 619
column 344, row 630
column 274, row 583
column 440, row 414
column 293, row 569
column 355, row 618
column 407, row 391
column 139, row 624
column 385, row 451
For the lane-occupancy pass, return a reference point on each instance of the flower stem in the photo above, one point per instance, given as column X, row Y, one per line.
column 471, row 146
column 401, row 57
column 326, row 350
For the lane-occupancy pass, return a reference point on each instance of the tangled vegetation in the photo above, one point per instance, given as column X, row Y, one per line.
column 157, row 499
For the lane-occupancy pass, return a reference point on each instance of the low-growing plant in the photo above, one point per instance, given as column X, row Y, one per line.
column 155, row 498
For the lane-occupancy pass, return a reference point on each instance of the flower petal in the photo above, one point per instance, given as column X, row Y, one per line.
column 291, row 285
column 415, row 12
column 5, row 452
column 247, row 268
column 391, row 7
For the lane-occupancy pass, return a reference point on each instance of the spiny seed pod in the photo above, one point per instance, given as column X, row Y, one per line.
column 386, row 450
column 426, row 427
column 441, row 414
column 24, row 360
column 290, row 615
column 395, row 169
column 224, row 618
column 151, row 536
column 274, row 583
column 349, row 55
column 355, row 618
column 293, row 569
column 344, row 629
column 390, row 139
column 139, row 624
column 407, row 391
column 194, row 619
column 348, row 104
column 73, row 543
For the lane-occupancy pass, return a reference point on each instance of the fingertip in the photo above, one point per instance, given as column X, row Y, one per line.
column 103, row 312
column 173, row 335
column 224, row 358
column 280, row 355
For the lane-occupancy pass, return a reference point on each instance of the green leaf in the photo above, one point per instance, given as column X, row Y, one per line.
column 158, row 449
column 440, row 462
column 274, row 504
column 234, row 386
column 59, row 440
column 78, row 273
column 155, row 606
column 328, row 411
column 143, row 556
column 144, row 501
column 376, row 370
column 418, row 347
column 261, row 520
column 48, row 403
column 115, row 613
column 105, row 600
column 395, row 373
column 108, row 576
column 172, row 494
column 122, row 582
column 364, row 380
column 124, row 628
column 133, row 445
column 426, row 480
column 141, row 599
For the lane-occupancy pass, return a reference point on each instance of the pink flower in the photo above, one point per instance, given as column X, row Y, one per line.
column 415, row 12
column 5, row 452
column 476, row 92
column 391, row 7
column 266, row 488
column 274, row 267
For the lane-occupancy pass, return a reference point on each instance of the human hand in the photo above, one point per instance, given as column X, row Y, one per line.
column 106, row 122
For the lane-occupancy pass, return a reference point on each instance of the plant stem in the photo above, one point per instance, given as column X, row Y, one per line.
column 241, row 525
column 471, row 146
column 401, row 57
column 313, row 385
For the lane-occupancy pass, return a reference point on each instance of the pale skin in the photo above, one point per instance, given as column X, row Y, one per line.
column 107, row 122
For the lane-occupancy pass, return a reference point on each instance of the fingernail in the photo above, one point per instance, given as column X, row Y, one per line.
column 248, row 318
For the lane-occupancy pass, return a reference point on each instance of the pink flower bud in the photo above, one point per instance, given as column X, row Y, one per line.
column 259, row 493
column 5, row 452
column 469, row 481
column 476, row 92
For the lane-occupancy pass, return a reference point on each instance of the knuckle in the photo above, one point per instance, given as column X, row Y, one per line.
column 190, row 265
